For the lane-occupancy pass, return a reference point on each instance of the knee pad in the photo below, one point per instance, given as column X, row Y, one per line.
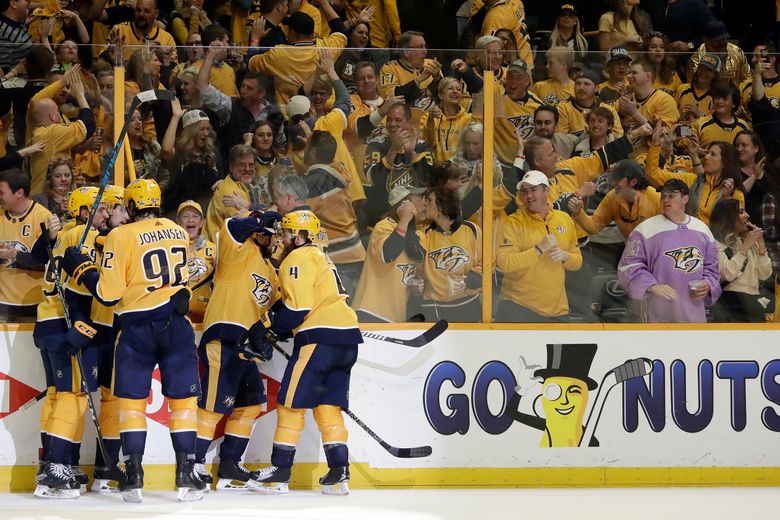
column 132, row 414
column 242, row 420
column 48, row 406
column 289, row 424
column 66, row 416
column 331, row 424
column 207, row 423
column 109, row 414
column 184, row 414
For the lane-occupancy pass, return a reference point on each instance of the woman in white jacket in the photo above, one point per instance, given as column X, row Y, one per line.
column 743, row 263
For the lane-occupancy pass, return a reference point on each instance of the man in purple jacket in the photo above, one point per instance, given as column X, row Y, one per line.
column 670, row 262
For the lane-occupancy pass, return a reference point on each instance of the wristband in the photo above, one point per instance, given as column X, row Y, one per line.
column 520, row 156
column 400, row 231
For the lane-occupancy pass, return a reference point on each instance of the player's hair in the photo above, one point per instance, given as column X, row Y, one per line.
column 446, row 200
column 239, row 151
column 323, row 147
column 629, row 169
column 725, row 90
column 564, row 55
column 212, row 33
column 602, row 112
column 16, row 180
column 723, row 219
column 407, row 110
column 533, row 144
column 548, row 108
column 292, row 184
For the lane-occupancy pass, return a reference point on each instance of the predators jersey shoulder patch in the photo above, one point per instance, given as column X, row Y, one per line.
column 450, row 258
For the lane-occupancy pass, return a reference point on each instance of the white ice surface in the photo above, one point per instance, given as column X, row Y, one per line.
column 416, row 504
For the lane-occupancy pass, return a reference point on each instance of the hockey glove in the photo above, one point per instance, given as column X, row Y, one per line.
column 267, row 221
column 76, row 263
column 79, row 337
column 257, row 345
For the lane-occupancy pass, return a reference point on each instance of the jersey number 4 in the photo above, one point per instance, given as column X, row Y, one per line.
column 157, row 262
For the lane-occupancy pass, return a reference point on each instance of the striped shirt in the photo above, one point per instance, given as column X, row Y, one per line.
column 15, row 42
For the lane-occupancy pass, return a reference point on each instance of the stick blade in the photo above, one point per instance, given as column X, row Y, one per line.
column 434, row 332
column 410, row 453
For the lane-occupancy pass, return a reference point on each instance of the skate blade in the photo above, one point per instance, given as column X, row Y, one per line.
column 342, row 488
column 132, row 495
column 103, row 487
column 189, row 495
column 61, row 494
column 269, row 488
column 226, row 484
column 83, row 488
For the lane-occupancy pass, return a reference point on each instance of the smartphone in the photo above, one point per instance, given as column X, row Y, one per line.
column 764, row 54
column 686, row 131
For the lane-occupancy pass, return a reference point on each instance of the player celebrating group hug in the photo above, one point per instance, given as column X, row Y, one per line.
column 140, row 269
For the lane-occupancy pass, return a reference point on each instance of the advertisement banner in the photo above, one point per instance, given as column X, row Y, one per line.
column 690, row 399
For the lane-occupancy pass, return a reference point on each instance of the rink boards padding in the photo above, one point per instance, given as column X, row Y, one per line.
column 708, row 413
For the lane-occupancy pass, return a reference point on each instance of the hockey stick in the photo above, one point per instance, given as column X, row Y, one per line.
column 420, row 341
column 631, row 369
column 32, row 401
column 401, row 453
column 61, row 293
column 141, row 97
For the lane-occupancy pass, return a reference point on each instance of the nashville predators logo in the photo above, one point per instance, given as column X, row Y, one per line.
column 407, row 272
column 197, row 267
column 526, row 123
column 449, row 258
column 687, row 259
column 551, row 99
column 263, row 290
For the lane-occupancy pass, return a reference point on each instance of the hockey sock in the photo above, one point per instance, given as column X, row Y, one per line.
column 132, row 425
column 337, row 455
column 207, row 425
column 183, row 424
column 282, row 455
column 289, row 424
column 47, row 409
column 237, row 432
column 109, row 426
column 63, row 425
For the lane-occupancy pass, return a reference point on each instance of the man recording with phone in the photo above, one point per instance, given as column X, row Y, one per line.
column 764, row 54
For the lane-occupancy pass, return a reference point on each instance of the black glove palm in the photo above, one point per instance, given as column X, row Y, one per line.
column 76, row 263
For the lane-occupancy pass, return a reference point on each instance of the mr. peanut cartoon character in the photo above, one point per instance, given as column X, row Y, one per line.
column 565, row 390
column 566, row 387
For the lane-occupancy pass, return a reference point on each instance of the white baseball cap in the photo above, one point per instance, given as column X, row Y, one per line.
column 298, row 105
column 193, row 116
column 534, row 178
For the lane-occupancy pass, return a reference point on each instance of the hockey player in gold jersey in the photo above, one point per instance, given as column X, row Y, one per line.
column 245, row 288
column 107, row 476
column 66, row 402
column 314, row 311
column 143, row 272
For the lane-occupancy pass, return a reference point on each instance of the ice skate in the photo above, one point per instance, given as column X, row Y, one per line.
column 56, row 481
column 103, row 478
column 134, row 480
column 336, row 481
column 271, row 480
column 190, row 487
column 204, row 476
column 233, row 476
column 81, row 478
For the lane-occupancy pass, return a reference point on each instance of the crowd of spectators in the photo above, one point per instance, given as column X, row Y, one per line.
column 606, row 115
